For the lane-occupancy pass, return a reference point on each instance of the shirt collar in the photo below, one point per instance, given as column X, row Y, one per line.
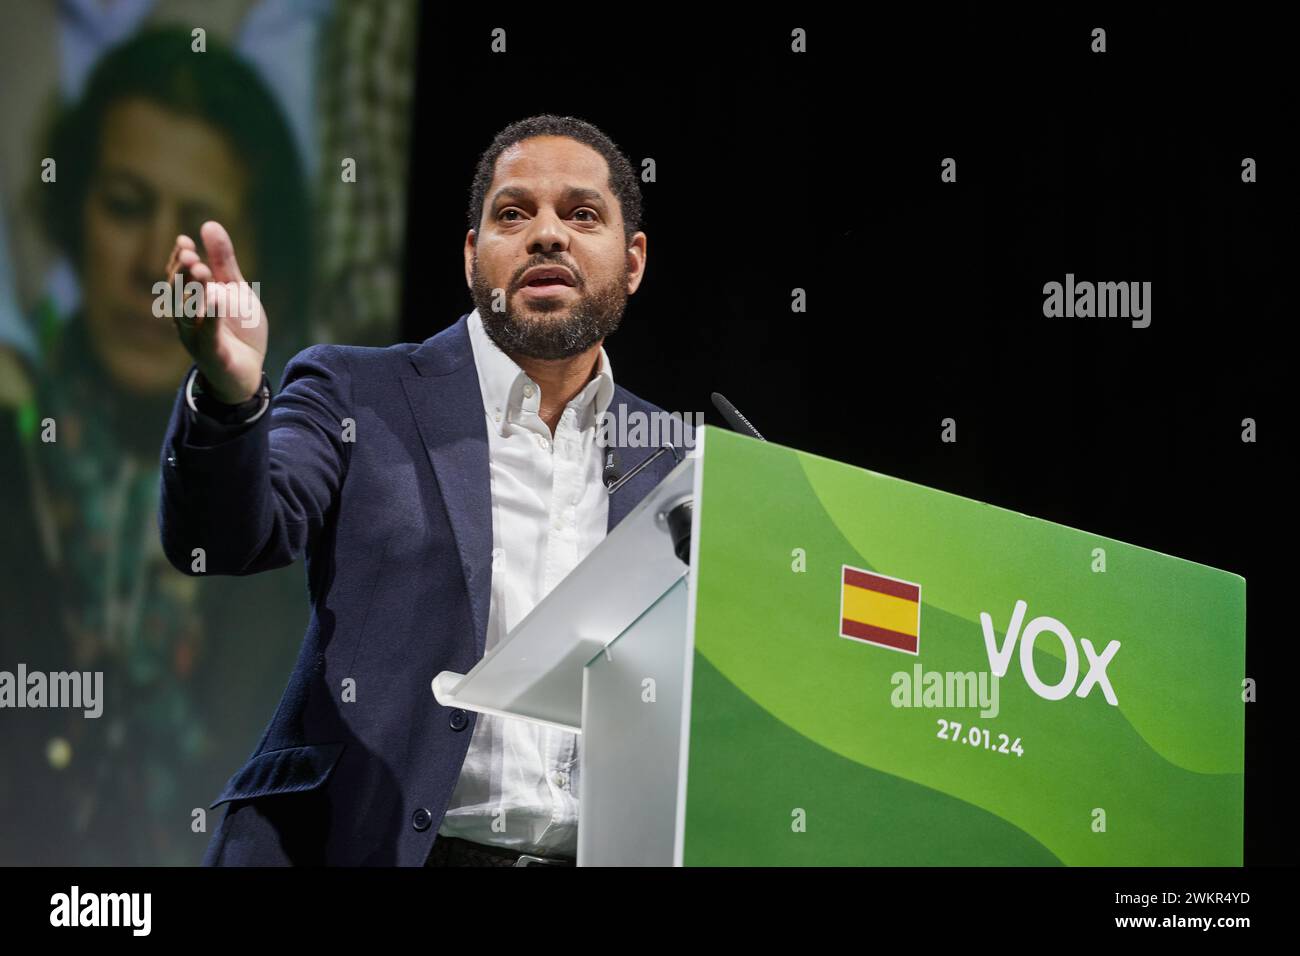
column 507, row 389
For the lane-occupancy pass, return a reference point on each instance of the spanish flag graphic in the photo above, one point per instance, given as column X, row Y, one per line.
column 880, row 610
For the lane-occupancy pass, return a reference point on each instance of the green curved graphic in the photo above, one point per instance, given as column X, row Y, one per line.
column 1197, row 607
column 743, row 811
column 1154, row 781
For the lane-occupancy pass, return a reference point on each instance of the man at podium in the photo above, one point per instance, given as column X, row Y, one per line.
column 437, row 491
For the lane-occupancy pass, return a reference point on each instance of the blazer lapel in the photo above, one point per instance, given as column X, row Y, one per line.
column 629, row 496
column 447, row 403
column 448, row 407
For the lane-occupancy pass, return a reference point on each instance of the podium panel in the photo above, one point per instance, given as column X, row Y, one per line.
column 858, row 670
column 882, row 673
column 631, row 742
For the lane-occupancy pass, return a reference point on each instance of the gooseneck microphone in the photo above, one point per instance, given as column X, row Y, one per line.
column 679, row 518
column 737, row 421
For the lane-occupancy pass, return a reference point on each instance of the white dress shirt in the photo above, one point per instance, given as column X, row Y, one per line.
column 519, row 784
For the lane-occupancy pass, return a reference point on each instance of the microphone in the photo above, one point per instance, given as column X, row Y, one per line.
column 619, row 481
column 609, row 472
column 737, row 421
column 679, row 519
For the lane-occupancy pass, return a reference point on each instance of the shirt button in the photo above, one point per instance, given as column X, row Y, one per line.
column 528, row 391
column 542, row 443
column 561, row 779
column 421, row 819
column 459, row 720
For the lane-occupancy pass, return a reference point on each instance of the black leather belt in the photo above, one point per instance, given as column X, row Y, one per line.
column 453, row 851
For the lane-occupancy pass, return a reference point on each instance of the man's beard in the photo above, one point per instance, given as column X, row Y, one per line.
column 559, row 330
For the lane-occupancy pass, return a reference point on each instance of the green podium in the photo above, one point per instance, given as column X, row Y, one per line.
column 857, row 670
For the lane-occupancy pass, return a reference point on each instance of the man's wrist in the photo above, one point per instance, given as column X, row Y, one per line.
column 203, row 387
column 200, row 401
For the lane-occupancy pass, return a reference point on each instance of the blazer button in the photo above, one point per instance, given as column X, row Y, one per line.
column 421, row 819
column 459, row 719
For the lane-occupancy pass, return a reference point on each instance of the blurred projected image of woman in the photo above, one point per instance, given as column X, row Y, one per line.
column 162, row 139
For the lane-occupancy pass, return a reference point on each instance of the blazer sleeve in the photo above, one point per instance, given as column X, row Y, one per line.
column 254, row 497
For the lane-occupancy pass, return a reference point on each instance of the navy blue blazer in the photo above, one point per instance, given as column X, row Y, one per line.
column 396, row 529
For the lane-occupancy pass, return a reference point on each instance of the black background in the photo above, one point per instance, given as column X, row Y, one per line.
column 821, row 171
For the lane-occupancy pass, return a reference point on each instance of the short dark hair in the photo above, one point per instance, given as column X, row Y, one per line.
column 623, row 182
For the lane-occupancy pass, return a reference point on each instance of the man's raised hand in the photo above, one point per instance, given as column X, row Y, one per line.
column 229, row 345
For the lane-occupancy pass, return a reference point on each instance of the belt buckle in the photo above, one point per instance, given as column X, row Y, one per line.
column 530, row 859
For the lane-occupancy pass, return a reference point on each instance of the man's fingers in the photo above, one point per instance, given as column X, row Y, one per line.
column 193, row 310
column 184, row 260
column 221, row 252
column 183, row 242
